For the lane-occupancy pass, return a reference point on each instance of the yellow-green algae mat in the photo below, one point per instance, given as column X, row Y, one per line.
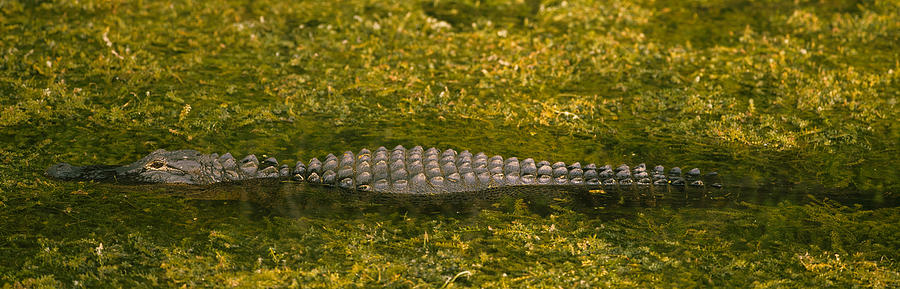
column 797, row 94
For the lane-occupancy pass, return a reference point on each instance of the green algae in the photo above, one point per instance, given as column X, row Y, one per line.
column 797, row 92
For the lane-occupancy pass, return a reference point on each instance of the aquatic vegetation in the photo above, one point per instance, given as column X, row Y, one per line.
column 797, row 92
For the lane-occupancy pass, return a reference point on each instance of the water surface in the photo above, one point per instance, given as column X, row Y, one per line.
column 793, row 103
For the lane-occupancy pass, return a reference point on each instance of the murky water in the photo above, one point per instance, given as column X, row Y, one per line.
column 792, row 103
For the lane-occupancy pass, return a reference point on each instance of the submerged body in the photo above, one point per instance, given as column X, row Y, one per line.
column 400, row 170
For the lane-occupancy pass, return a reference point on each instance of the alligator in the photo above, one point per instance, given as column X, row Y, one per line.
column 414, row 171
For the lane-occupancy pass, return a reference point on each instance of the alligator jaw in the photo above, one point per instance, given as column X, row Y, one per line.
column 160, row 166
column 65, row 171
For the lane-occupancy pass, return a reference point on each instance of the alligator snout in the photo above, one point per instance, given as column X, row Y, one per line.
column 64, row 171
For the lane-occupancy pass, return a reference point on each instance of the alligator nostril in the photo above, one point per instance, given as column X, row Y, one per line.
column 63, row 171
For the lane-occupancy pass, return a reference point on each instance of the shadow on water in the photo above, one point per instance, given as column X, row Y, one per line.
column 272, row 197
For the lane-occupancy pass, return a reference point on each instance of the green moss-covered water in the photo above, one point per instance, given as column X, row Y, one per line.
column 799, row 94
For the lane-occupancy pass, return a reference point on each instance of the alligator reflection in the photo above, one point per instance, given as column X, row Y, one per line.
column 285, row 198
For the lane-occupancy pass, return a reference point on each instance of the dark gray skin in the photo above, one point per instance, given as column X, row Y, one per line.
column 171, row 167
column 399, row 170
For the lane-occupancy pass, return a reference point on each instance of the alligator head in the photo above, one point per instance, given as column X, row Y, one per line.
column 161, row 166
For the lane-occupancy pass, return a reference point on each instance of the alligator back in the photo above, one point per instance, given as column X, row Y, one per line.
column 420, row 171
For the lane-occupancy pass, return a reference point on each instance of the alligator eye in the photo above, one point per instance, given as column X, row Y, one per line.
column 156, row 165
